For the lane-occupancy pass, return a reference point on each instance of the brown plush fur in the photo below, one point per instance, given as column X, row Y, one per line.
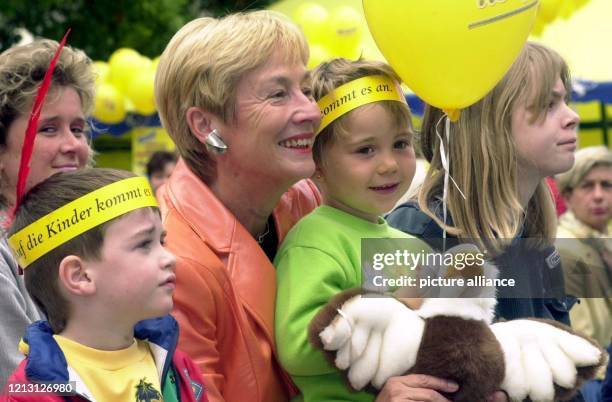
column 464, row 351
column 325, row 316
column 446, row 342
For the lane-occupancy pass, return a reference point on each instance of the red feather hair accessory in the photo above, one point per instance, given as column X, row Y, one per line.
column 30, row 135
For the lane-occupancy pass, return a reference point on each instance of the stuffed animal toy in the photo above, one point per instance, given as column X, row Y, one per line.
column 374, row 338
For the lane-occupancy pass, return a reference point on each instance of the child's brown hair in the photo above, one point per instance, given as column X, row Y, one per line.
column 334, row 73
column 41, row 276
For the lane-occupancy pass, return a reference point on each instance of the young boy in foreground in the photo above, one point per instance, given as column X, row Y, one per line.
column 91, row 246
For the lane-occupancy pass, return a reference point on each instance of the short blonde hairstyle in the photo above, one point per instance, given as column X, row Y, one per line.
column 22, row 69
column 330, row 75
column 585, row 160
column 203, row 64
column 483, row 156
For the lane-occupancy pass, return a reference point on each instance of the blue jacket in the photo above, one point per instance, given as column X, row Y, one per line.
column 409, row 218
column 544, row 273
column 606, row 386
column 45, row 362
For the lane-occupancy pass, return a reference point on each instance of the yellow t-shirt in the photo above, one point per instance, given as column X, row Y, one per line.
column 120, row 375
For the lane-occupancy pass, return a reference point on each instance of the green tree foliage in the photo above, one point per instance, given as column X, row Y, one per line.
column 99, row 27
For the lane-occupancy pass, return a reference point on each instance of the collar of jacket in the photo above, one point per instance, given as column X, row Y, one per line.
column 209, row 217
column 46, row 361
column 252, row 274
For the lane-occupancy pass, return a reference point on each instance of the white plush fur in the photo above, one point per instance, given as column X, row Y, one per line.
column 482, row 309
column 377, row 338
column 537, row 373
column 400, row 348
column 364, row 368
column 579, row 350
column 343, row 357
column 563, row 369
column 374, row 344
column 537, row 354
column 514, row 382
column 336, row 334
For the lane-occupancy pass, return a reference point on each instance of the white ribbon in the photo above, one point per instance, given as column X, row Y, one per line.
column 444, row 157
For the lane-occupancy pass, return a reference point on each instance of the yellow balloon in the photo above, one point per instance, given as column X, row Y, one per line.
column 318, row 54
column 369, row 51
column 125, row 64
column 109, row 105
column 312, row 19
column 569, row 7
column 549, row 9
column 579, row 3
column 538, row 27
column 566, row 9
column 154, row 63
column 141, row 93
column 101, row 71
column 451, row 53
column 347, row 30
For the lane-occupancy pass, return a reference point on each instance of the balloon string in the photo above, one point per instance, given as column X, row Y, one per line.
column 30, row 134
column 444, row 157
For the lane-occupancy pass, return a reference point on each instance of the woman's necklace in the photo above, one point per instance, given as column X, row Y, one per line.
column 262, row 236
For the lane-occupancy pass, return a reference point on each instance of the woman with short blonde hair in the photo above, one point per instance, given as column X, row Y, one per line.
column 234, row 95
column 208, row 56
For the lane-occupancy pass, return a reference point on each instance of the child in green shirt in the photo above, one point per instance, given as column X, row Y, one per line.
column 364, row 163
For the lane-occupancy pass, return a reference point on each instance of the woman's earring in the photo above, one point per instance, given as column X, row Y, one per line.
column 214, row 143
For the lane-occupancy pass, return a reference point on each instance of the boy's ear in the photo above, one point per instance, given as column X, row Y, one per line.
column 74, row 276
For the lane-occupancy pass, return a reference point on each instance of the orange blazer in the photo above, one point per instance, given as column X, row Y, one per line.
column 226, row 288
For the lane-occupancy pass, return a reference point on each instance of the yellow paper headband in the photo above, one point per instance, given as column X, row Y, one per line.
column 78, row 216
column 357, row 93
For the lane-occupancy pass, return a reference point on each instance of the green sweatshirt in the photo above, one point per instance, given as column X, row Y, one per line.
column 320, row 257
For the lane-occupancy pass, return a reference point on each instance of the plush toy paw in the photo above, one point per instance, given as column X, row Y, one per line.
column 375, row 338
column 543, row 359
